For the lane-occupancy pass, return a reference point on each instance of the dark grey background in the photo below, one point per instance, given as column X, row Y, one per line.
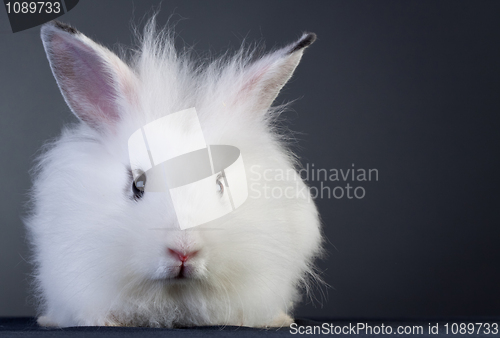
column 410, row 88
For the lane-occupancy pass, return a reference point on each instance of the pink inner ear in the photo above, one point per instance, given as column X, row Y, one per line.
column 251, row 84
column 85, row 80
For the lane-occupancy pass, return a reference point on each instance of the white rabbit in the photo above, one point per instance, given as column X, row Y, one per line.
column 106, row 253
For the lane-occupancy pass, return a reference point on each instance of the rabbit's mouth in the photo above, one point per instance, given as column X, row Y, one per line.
column 181, row 272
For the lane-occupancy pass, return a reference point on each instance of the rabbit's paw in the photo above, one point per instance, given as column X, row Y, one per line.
column 112, row 320
column 46, row 321
column 281, row 320
column 112, row 323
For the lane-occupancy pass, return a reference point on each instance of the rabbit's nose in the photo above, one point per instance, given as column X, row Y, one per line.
column 182, row 255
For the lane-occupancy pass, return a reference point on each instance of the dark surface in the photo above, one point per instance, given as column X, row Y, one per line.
column 27, row 327
column 411, row 88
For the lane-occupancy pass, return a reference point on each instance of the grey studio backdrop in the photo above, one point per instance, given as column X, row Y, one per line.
column 410, row 88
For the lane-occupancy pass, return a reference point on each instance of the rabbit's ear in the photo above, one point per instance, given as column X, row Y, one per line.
column 264, row 79
column 95, row 83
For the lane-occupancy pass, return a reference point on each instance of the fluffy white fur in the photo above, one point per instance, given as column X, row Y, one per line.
column 101, row 257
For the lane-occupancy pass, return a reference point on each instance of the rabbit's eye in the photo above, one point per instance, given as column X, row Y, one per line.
column 219, row 185
column 138, row 186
